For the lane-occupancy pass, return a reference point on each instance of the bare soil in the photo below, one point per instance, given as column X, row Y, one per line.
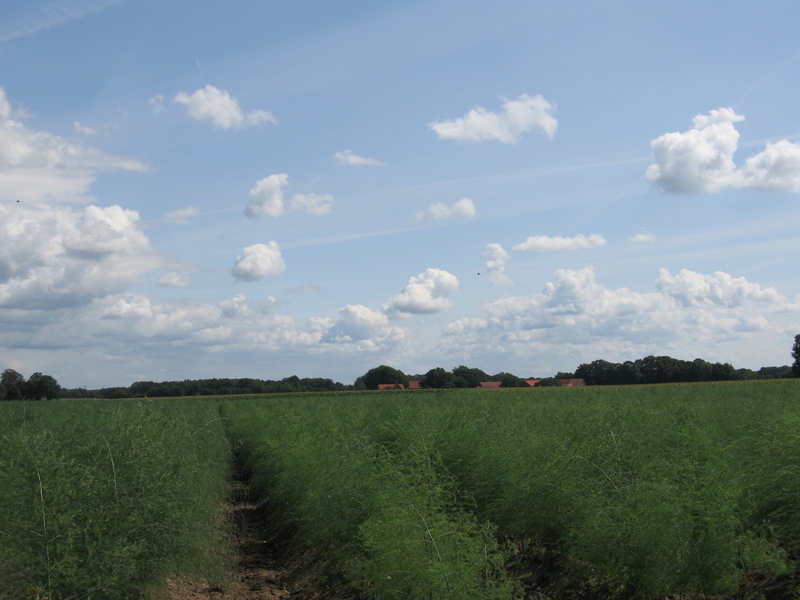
column 271, row 565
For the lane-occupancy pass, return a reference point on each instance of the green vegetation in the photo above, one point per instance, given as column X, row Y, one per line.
column 613, row 492
column 107, row 500
column 596, row 492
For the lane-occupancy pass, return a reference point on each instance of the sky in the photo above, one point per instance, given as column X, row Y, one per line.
column 198, row 189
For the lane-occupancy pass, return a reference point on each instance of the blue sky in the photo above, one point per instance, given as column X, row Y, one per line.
column 264, row 189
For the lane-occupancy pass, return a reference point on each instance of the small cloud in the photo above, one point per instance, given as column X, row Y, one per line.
column 316, row 205
column 496, row 258
column 258, row 261
column 174, row 279
column 347, row 158
column 638, row 238
column 701, row 159
column 426, row 293
column 83, row 130
column 181, row 216
column 438, row 210
column 544, row 243
column 222, row 109
column 156, row 104
column 518, row 116
column 266, row 197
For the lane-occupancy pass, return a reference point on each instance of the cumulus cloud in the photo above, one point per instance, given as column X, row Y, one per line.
column 223, row 110
column 267, row 198
column 348, row 158
column 544, row 243
column 36, row 166
column 181, row 216
column 367, row 329
column 55, row 257
column 257, row 261
column 463, row 208
column 426, row 293
column 576, row 315
column 701, row 159
column 720, row 289
column 518, row 116
column 496, row 258
column 156, row 104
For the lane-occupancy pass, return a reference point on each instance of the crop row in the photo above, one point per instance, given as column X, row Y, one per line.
column 616, row 492
column 108, row 500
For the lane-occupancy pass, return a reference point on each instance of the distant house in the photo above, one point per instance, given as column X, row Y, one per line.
column 489, row 384
column 390, row 386
column 412, row 385
column 530, row 382
column 572, row 382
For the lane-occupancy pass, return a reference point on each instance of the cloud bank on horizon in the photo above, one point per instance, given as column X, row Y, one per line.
column 175, row 245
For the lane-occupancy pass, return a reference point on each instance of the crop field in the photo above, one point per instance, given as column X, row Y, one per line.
column 598, row 492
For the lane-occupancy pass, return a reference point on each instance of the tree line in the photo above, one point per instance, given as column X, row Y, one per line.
column 650, row 369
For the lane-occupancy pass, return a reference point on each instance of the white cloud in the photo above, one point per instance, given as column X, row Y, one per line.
column 367, row 329
column 174, row 279
column 496, row 258
column 428, row 292
column 181, row 216
column 316, row 205
column 777, row 168
column 60, row 257
column 258, row 261
column 267, row 197
column 36, row 166
column 639, row 238
column 697, row 289
column 701, row 159
column 544, row 243
column 347, row 158
column 575, row 316
column 222, row 109
column 463, row 208
column 518, row 116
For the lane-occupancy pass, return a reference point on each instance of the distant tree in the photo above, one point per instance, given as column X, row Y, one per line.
column 41, row 386
column 508, row 380
column 470, row 377
column 378, row 375
column 551, row 381
column 796, row 356
column 12, row 382
column 563, row 375
column 438, row 378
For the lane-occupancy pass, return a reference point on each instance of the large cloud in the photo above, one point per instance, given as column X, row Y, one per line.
column 576, row 315
column 701, row 159
column 544, row 243
column 364, row 328
column 518, row 116
column 222, row 109
column 426, row 293
column 60, row 257
column 257, row 261
column 36, row 166
column 267, row 198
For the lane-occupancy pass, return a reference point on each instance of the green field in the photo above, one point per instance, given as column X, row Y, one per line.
column 596, row 492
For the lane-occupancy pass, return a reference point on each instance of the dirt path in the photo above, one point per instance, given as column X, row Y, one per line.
column 262, row 567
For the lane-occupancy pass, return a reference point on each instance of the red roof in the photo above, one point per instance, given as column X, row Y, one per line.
column 413, row 385
column 489, row 384
column 531, row 382
column 572, row 382
column 390, row 386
